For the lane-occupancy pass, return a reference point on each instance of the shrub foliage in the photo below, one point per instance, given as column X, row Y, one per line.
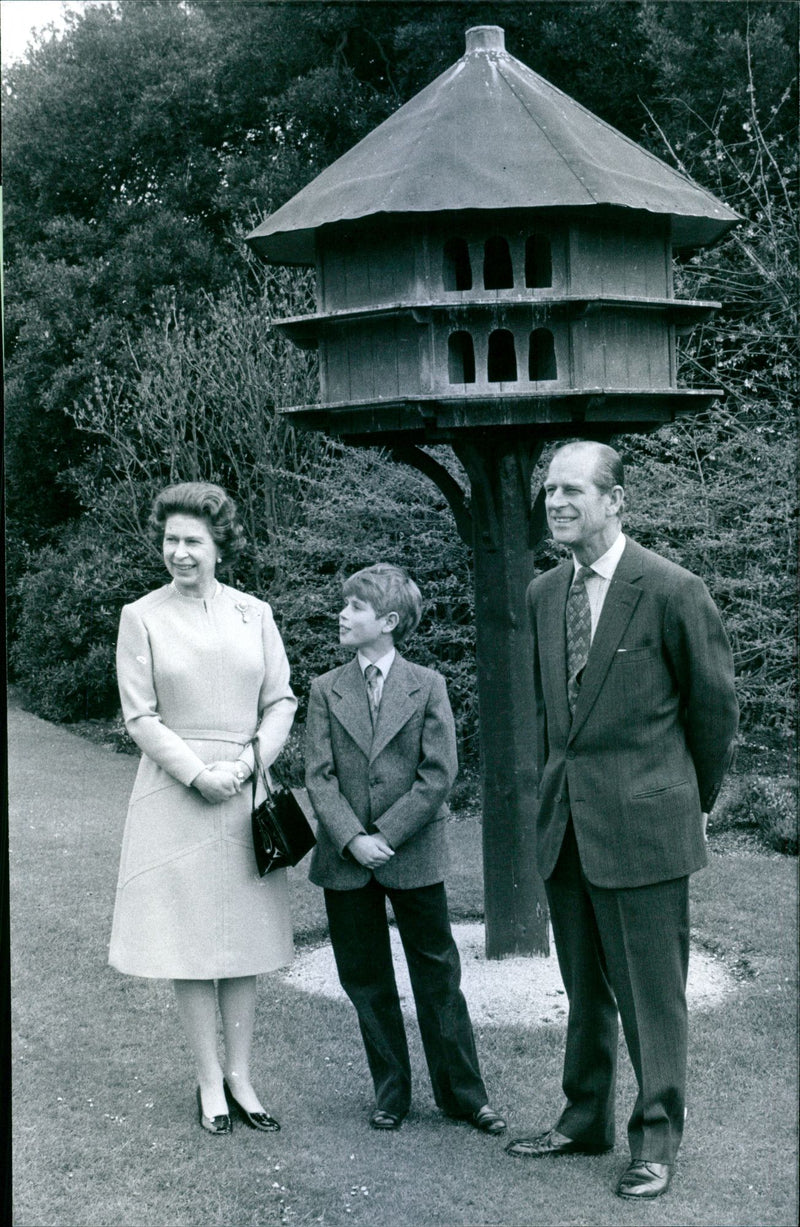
column 141, row 349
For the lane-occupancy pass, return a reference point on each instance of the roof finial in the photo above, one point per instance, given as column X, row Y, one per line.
column 486, row 38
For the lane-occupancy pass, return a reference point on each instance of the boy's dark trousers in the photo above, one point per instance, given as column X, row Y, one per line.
column 360, row 936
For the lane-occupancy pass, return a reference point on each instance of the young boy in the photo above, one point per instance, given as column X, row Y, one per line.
column 380, row 762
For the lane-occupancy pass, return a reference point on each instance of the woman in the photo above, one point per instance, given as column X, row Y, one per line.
column 204, row 684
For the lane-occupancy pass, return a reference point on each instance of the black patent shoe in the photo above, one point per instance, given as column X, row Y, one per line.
column 256, row 1120
column 215, row 1125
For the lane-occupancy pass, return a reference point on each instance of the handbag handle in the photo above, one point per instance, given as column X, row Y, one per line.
column 258, row 771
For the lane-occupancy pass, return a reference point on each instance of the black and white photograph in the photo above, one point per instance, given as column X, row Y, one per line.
column 401, row 596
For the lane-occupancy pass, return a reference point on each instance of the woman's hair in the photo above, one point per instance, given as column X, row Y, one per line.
column 208, row 502
column 388, row 589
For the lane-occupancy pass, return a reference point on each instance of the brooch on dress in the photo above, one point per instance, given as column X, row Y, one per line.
column 247, row 611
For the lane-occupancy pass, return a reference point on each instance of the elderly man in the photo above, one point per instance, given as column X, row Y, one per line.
column 637, row 715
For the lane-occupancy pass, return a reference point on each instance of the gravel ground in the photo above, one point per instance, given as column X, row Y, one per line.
column 524, row 992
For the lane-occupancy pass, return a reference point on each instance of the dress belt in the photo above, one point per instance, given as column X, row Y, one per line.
column 215, row 735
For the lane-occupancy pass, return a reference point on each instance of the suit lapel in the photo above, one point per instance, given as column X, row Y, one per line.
column 398, row 704
column 621, row 600
column 350, row 705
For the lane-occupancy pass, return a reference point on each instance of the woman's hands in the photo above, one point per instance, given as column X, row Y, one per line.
column 240, row 769
column 220, row 780
column 372, row 851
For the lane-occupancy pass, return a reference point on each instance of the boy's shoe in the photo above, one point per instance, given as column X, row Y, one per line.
column 487, row 1120
column 384, row 1120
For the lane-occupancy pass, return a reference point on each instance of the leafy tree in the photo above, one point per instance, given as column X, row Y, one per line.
column 709, row 62
column 718, row 492
column 199, row 404
column 140, row 147
column 105, row 209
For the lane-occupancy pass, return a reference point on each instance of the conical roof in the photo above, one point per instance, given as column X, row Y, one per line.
column 489, row 133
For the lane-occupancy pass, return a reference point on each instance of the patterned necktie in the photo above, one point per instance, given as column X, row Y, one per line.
column 579, row 633
column 372, row 674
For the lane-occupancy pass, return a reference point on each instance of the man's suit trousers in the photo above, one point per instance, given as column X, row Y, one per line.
column 360, row 936
column 625, row 950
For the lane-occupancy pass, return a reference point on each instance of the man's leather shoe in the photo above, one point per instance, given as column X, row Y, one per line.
column 487, row 1120
column 551, row 1143
column 643, row 1178
column 384, row 1120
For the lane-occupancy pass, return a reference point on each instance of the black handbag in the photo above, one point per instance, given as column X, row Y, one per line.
column 281, row 833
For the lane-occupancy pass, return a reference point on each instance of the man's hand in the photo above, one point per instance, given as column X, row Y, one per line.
column 372, row 851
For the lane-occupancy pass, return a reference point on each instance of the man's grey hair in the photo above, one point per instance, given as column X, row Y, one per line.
column 609, row 470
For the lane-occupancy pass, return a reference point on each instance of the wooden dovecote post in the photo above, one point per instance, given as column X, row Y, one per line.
column 494, row 271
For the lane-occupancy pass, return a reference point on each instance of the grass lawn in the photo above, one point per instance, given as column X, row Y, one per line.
column 105, row 1131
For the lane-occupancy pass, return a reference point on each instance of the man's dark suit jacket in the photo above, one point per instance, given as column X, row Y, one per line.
column 652, row 734
column 395, row 781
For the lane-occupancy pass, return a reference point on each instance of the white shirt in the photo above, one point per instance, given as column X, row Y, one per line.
column 383, row 665
column 597, row 583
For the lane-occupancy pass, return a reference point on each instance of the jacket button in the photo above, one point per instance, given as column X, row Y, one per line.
column 570, row 753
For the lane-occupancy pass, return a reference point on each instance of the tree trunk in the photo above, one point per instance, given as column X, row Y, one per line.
column 515, row 902
column 504, row 530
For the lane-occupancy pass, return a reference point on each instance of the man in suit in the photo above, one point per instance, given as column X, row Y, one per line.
column 634, row 691
column 380, row 763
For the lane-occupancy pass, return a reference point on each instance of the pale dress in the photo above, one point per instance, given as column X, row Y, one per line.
column 198, row 680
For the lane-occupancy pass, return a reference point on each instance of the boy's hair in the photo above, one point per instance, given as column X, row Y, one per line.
column 388, row 589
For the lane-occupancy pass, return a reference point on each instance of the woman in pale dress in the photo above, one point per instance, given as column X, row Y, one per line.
column 204, row 685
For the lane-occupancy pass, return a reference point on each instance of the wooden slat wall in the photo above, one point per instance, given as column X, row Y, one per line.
column 375, row 265
column 605, row 259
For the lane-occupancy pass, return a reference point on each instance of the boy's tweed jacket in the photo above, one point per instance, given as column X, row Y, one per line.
column 395, row 781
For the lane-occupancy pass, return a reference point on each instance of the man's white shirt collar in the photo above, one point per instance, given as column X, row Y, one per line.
column 607, row 563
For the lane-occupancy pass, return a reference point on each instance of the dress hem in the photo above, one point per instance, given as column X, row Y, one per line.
column 217, row 975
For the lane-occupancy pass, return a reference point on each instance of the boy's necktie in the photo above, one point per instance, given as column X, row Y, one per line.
column 579, row 633
column 372, row 674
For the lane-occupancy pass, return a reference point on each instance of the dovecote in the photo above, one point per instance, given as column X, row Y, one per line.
column 493, row 255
